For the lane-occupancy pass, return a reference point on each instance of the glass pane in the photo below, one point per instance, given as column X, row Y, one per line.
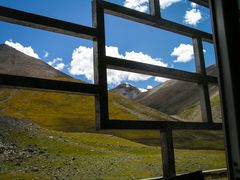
column 215, row 103
column 202, row 150
column 79, row 12
column 145, row 44
column 36, row 53
column 52, row 110
column 142, row 97
column 142, row 5
column 187, row 13
column 210, row 59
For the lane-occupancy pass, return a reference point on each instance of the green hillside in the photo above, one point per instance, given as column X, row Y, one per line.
column 75, row 113
column 69, row 112
column 193, row 111
column 30, row 152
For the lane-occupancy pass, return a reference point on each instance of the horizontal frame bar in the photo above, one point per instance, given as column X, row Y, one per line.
column 148, row 69
column 137, row 16
column 201, row 2
column 45, row 23
column 47, row 84
column 160, row 125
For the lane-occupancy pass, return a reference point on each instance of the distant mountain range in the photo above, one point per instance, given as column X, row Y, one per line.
column 64, row 111
column 170, row 100
column 76, row 113
column 172, row 97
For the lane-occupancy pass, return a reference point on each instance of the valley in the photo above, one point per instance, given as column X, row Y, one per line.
column 49, row 134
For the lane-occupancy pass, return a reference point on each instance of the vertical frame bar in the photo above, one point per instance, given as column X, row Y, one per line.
column 168, row 160
column 154, row 8
column 204, row 91
column 226, row 27
column 100, row 68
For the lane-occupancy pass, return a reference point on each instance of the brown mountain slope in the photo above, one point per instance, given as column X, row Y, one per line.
column 126, row 90
column 174, row 96
column 75, row 113
column 15, row 62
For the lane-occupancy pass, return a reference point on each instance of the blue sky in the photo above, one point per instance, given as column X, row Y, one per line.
column 124, row 39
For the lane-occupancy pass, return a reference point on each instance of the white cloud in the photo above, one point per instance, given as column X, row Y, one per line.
column 54, row 61
column 193, row 17
column 139, row 5
column 160, row 79
column 60, row 66
column 166, row 3
column 194, row 5
column 144, row 58
column 57, row 63
column 45, row 54
column 149, row 87
column 143, row 5
column 184, row 53
column 26, row 50
column 82, row 64
column 142, row 90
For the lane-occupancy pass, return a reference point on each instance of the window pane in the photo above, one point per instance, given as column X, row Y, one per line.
column 148, row 45
column 36, row 53
column 187, row 13
column 143, row 97
column 79, row 12
column 215, row 103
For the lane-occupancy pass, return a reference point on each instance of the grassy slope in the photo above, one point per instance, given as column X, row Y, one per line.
column 67, row 112
column 193, row 112
column 75, row 113
column 91, row 156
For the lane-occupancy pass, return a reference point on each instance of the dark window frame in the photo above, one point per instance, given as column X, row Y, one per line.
column 102, row 62
column 96, row 33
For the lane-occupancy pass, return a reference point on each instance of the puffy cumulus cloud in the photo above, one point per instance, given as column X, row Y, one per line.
column 149, row 87
column 142, row 5
column 59, row 66
column 193, row 17
column 57, row 63
column 160, row 79
column 139, row 5
column 113, row 52
column 116, row 77
column 166, row 3
column 82, row 64
column 26, row 50
column 144, row 58
column 184, row 53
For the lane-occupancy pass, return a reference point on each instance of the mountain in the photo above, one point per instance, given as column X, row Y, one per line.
column 76, row 113
column 174, row 96
column 65, row 111
column 126, row 90
column 15, row 62
column 30, row 151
